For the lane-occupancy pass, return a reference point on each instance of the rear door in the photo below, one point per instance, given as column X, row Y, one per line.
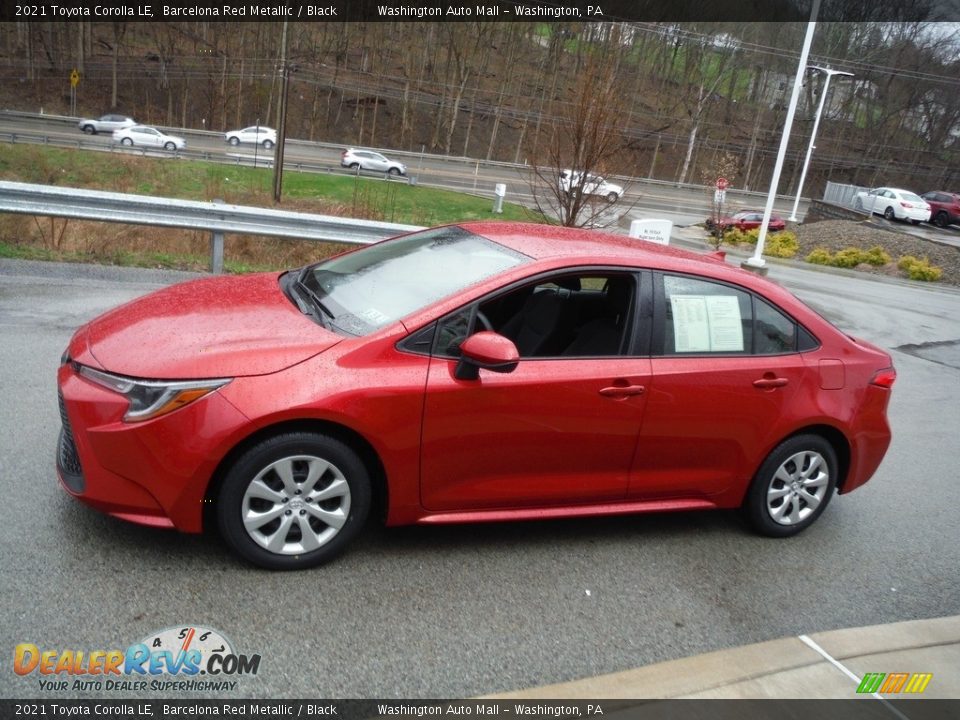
column 725, row 370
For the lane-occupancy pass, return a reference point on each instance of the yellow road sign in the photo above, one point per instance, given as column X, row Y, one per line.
column 74, row 78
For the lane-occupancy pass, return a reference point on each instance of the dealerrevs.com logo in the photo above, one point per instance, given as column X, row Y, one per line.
column 174, row 659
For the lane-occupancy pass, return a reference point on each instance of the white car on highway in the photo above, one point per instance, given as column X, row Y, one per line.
column 105, row 123
column 893, row 204
column 591, row 185
column 253, row 135
column 146, row 136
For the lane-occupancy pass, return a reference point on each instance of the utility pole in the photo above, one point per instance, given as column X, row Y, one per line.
column 282, row 124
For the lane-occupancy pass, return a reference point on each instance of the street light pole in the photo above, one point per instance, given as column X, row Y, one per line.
column 813, row 134
column 756, row 262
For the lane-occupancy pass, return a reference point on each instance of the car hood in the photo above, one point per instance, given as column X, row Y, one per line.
column 213, row 327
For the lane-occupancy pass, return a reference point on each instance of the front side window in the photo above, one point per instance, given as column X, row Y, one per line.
column 367, row 289
column 569, row 315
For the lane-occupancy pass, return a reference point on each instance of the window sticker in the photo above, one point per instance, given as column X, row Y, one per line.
column 707, row 323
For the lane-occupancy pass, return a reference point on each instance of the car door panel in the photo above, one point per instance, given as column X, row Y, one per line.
column 706, row 417
column 552, row 431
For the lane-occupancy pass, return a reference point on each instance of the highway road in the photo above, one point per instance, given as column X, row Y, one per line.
column 683, row 205
column 428, row 612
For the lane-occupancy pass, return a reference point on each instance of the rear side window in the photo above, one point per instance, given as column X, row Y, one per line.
column 704, row 317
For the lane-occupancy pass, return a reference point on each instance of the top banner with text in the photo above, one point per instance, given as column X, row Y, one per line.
column 482, row 10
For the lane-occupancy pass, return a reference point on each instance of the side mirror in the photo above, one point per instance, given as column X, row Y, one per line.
column 488, row 351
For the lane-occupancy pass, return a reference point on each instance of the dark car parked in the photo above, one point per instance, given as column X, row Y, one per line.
column 944, row 207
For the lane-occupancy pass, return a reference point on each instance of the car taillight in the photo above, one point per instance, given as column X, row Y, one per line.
column 884, row 378
column 906, row 204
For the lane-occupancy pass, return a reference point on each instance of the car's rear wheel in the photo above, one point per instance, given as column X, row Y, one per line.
column 915, row 222
column 354, row 166
column 234, row 141
column 941, row 219
column 889, row 214
column 267, row 144
column 294, row 501
column 126, row 141
column 792, row 487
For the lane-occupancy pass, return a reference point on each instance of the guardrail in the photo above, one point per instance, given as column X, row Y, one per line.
column 216, row 217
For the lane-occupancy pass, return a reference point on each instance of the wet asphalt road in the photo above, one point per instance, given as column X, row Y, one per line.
column 458, row 611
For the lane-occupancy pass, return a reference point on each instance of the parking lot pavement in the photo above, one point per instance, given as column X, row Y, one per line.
column 827, row 665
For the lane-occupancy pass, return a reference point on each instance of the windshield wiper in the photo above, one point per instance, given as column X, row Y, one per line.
column 314, row 297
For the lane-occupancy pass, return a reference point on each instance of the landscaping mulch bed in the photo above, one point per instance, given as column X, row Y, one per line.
column 836, row 235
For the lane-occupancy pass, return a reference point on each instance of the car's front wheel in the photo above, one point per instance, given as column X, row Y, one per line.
column 612, row 197
column 169, row 146
column 89, row 129
column 792, row 487
column 394, row 171
column 293, row 501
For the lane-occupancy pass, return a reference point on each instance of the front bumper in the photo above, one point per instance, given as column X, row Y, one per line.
column 154, row 472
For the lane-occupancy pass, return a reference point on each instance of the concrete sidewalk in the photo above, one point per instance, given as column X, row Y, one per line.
column 827, row 665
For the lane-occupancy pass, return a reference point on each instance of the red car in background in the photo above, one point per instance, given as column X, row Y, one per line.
column 747, row 220
column 467, row 373
column 944, row 207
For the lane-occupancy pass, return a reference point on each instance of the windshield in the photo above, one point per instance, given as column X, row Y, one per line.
column 372, row 287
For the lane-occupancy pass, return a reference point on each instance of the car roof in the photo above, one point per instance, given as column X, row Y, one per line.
column 543, row 242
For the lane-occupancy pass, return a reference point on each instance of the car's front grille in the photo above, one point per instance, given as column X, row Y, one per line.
column 68, row 461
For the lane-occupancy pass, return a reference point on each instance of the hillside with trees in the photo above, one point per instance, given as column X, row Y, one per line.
column 674, row 102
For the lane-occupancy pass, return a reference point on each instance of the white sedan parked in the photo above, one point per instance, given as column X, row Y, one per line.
column 146, row 136
column 893, row 204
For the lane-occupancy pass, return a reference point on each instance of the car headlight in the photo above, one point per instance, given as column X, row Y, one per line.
column 152, row 398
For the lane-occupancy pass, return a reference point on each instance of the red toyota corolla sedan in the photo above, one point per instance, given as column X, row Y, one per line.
column 477, row 372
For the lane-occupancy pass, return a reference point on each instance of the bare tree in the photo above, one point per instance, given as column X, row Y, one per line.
column 582, row 135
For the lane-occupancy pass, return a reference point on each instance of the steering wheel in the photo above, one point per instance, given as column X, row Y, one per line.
column 484, row 321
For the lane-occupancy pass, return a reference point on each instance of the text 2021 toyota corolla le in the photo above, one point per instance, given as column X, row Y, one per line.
column 476, row 372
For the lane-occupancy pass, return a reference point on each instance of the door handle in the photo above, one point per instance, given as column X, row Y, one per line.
column 622, row 390
column 770, row 383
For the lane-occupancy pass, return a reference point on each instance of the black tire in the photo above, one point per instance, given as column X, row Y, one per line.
column 394, row 171
column 941, row 219
column 234, row 141
column 126, row 141
column 889, row 214
column 354, row 166
column 806, row 458
column 341, row 476
column 169, row 146
column 89, row 129
column 267, row 144
column 612, row 197
column 915, row 222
